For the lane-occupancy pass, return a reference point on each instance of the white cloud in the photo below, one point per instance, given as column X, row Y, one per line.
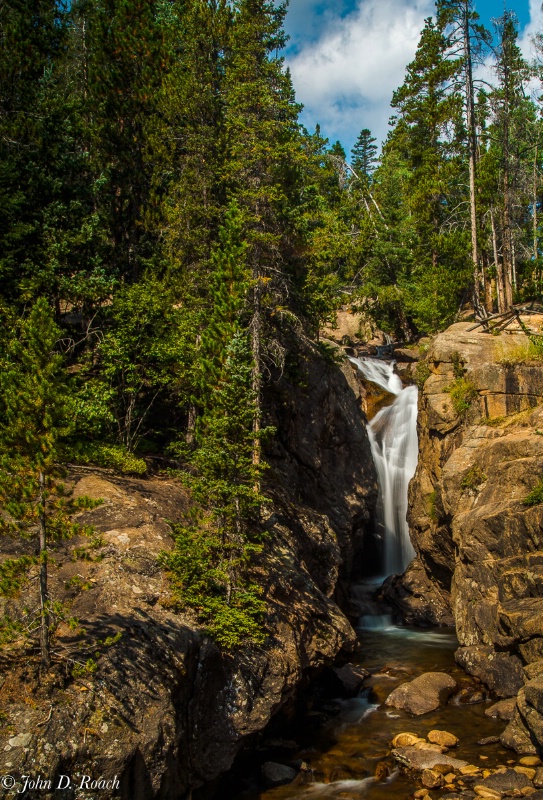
column 345, row 78
column 534, row 26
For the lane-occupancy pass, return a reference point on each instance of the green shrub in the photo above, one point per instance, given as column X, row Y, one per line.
column 199, row 569
column 535, row 497
column 431, row 501
column 111, row 456
column 422, row 373
column 473, row 478
column 458, row 365
column 463, row 392
column 524, row 353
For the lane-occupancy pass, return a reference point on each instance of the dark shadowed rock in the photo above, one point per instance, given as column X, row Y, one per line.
column 419, row 599
column 533, row 692
column 423, row 694
column 506, row 781
column 168, row 709
column 503, row 709
column 351, row 677
column 517, row 737
column 277, row 774
column 502, row 672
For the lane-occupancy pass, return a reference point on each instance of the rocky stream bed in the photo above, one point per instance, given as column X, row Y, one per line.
column 443, row 742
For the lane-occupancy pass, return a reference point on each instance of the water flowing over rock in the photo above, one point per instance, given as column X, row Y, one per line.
column 393, row 438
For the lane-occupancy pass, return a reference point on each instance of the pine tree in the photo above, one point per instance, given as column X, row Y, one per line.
column 262, row 171
column 33, row 421
column 467, row 40
column 364, row 155
column 425, row 134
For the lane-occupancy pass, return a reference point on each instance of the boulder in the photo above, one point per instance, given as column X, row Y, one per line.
column 405, row 740
column 530, row 761
column 506, row 781
column 486, row 793
column 503, row 709
column 432, row 779
column 426, row 759
column 277, row 774
column 502, row 672
column 533, row 692
column 517, row 737
column 351, row 677
column 443, row 738
column 423, row 694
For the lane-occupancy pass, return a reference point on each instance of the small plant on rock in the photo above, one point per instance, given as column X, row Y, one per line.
column 463, row 392
column 535, row 497
column 473, row 478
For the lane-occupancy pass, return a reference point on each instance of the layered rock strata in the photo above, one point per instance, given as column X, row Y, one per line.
column 480, row 546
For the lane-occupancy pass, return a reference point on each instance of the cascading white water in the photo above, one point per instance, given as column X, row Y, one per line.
column 394, row 445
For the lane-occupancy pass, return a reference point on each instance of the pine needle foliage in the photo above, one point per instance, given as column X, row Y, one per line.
column 34, row 418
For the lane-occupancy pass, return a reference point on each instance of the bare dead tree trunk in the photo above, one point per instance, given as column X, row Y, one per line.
column 487, row 283
column 472, row 152
column 499, row 267
column 507, row 249
column 534, row 206
column 44, row 602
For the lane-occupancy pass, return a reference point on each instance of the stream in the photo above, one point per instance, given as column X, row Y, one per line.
column 340, row 746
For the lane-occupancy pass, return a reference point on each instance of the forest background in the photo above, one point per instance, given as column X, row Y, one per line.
column 173, row 239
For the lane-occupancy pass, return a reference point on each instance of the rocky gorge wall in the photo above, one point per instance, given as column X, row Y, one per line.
column 480, row 548
column 165, row 710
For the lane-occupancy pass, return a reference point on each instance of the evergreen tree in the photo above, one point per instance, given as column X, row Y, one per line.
column 425, row 133
column 467, row 40
column 364, row 155
column 34, row 414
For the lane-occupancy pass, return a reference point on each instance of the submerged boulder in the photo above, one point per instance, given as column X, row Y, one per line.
column 423, row 694
column 277, row 774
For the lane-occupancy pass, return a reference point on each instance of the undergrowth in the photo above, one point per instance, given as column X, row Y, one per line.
column 535, row 497
column 463, row 392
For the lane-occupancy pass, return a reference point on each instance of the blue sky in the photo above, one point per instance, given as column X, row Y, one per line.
column 347, row 56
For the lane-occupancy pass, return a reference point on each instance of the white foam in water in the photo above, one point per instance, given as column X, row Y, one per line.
column 394, row 445
column 375, row 622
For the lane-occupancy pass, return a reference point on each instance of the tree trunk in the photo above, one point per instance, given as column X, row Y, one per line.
column 256, row 345
column 487, row 283
column 44, row 603
column 472, row 151
column 507, row 249
column 499, row 267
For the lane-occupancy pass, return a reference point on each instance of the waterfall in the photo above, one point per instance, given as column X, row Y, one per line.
column 393, row 438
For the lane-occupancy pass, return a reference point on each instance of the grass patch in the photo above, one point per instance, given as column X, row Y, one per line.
column 431, row 505
column 473, row 478
column 535, row 498
column 111, row 456
column 463, row 392
column 520, row 354
column 422, row 373
column 511, row 419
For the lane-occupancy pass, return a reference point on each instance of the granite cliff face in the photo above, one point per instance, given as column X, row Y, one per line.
column 166, row 711
column 480, row 548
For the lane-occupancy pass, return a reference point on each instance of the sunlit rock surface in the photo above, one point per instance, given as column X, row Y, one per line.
column 479, row 544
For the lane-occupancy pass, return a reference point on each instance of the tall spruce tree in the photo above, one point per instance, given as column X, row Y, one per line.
column 364, row 155
column 33, row 419
column 425, row 133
